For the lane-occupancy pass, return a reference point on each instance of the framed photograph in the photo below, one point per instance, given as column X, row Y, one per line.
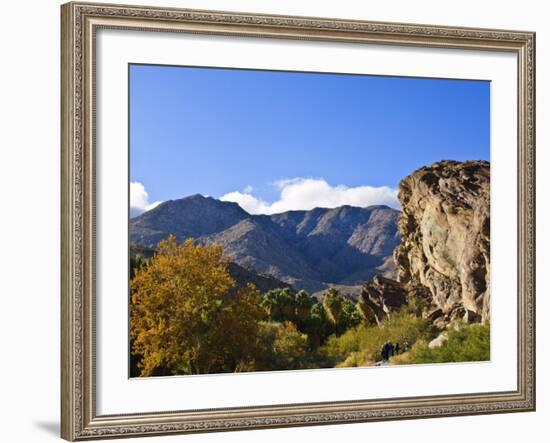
column 283, row 221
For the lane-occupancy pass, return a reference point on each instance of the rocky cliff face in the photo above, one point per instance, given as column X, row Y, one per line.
column 383, row 295
column 445, row 237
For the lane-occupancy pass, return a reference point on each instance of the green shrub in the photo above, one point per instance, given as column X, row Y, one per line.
column 281, row 346
column 467, row 343
column 338, row 348
column 362, row 345
column 290, row 347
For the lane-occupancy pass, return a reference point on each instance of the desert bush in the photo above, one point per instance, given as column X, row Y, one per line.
column 466, row 343
column 290, row 347
column 362, row 344
column 281, row 346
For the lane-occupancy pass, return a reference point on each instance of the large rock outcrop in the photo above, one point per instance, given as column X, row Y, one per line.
column 381, row 296
column 445, row 237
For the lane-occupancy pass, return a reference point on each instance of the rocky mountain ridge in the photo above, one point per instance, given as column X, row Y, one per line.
column 309, row 250
column 434, row 253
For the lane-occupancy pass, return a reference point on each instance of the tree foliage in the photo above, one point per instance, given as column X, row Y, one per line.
column 137, row 262
column 290, row 346
column 303, row 304
column 318, row 326
column 186, row 314
column 333, row 304
column 189, row 317
column 280, row 304
column 342, row 313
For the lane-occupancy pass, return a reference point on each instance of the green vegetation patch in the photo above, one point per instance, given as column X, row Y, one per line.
column 362, row 345
column 465, row 343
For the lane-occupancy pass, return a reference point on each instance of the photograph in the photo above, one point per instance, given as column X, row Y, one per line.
column 284, row 220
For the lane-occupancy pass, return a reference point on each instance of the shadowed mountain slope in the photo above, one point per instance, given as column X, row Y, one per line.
column 307, row 249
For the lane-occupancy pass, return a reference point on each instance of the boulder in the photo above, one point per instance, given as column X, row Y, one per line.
column 439, row 341
column 445, row 237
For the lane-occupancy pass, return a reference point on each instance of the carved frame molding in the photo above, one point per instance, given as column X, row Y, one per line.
column 79, row 24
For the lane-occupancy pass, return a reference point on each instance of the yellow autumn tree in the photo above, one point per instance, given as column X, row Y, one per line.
column 188, row 316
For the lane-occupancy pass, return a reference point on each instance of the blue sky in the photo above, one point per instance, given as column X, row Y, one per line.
column 273, row 136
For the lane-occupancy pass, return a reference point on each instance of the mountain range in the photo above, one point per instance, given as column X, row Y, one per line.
column 311, row 250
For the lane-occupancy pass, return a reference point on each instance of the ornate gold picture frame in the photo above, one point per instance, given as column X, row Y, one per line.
column 80, row 22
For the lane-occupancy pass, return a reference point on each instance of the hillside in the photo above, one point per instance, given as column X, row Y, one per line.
column 242, row 276
column 309, row 250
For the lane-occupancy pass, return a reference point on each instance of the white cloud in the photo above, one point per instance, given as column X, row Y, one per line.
column 139, row 200
column 248, row 202
column 309, row 193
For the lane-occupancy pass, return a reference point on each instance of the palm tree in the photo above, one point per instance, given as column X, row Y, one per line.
column 317, row 325
column 333, row 304
column 350, row 316
column 303, row 303
column 364, row 311
column 270, row 303
column 287, row 303
column 279, row 304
